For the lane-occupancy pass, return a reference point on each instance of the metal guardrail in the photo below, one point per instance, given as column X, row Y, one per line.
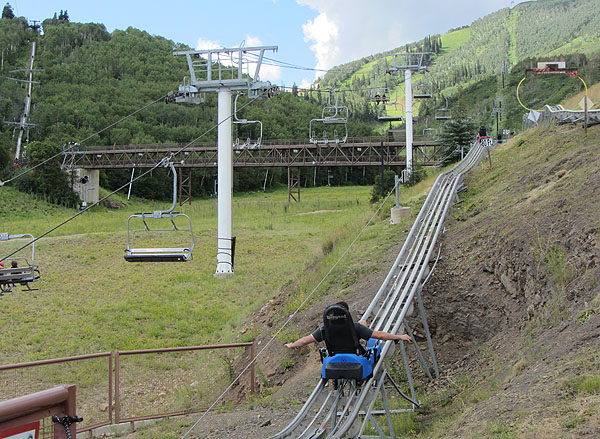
column 346, row 410
column 83, row 377
column 57, row 401
column 119, row 369
column 556, row 114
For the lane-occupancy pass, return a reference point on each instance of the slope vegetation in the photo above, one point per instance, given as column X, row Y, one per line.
column 514, row 302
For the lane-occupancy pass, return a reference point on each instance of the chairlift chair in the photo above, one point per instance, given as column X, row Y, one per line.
column 383, row 116
column 429, row 132
column 443, row 113
column 332, row 115
column 134, row 253
column 422, row 91
column 26, row 271
column 379, row 95
column 249, row 143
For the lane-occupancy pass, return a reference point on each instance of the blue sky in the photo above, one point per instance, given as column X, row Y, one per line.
column 311, row 33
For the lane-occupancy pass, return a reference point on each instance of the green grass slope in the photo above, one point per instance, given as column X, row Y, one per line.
column 90, row 300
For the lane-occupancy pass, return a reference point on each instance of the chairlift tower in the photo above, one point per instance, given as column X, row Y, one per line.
column 224, row 71
column 409, row 62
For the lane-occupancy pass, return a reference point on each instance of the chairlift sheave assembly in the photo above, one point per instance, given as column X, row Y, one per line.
column 332, row 117
column 135, row 253
column 25, row 271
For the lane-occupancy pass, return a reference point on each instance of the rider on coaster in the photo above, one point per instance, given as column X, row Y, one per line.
column 362, row 331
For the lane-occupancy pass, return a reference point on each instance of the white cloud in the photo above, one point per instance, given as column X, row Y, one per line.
column 204, row 44
column 346, row 30
column 325, row 34
column 304, row 84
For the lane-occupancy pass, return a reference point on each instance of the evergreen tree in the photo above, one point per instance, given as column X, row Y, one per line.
column 63, row 16
column 458, row 133
column 7, row 12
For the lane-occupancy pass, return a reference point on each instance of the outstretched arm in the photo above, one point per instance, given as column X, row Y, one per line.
column 380, row 335
column 308, row 339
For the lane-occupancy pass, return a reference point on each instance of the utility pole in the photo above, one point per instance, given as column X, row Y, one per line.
column 24, row 124
column 224, row 71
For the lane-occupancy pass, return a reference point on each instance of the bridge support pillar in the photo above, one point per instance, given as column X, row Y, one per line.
column 293, row 183
column 86, row 183
column 185, row 186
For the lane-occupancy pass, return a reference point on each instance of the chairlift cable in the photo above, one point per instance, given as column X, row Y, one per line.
column 159, row 163
column 283, row 64
column 2, row 183
column 289, row 319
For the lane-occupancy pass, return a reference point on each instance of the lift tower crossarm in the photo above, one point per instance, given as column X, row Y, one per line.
column 212, row 64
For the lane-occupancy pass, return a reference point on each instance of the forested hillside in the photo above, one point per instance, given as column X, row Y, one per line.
column 91, row 78
column 510, row 39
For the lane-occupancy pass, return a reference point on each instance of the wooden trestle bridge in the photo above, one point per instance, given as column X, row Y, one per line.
column 290, row 154
column 358, row 151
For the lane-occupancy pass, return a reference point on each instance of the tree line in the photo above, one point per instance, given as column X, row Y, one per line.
column 91, row 79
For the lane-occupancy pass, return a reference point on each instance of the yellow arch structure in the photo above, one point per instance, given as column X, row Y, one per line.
column 530, row 109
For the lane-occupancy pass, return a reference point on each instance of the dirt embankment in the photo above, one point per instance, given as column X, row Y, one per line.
column 514, row 303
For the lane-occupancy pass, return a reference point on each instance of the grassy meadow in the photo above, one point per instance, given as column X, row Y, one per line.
column 91, row 300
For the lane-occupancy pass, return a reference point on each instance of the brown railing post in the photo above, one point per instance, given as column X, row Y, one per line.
column 117, row 397
column 70, row 409
column 110, row 388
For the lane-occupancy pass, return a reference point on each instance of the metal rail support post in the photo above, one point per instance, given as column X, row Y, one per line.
column 397, row 189
column 585, row 111
column 427, row 333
